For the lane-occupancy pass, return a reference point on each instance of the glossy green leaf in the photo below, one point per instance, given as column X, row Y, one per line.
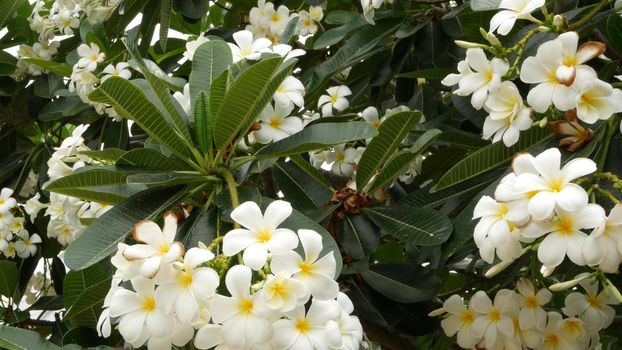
column 317, row 136
column 210, row 60
column 101, row 238
column 12, row 338
column 150, row 159
column 168, row 178
column 394, row 168
column 8, row 278
column 166, row 10
column 8, row 9
column 335, row 35
column 484, row 5
column 302, row 190
column 61, row 69
column 391, row 133
column 84, row 293
column 203, row 122
column 358, row 237
column 403, row 282
column 432, row 74
column 108, row 154
column 290, row 30
column 425, row 140
column 614, row 29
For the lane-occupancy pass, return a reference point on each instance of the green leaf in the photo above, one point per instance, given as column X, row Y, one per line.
column 99, row 185
column 432, row 74
column 132, row 103
column 63, row 107
column 62, row 69
column 394, row 167
column 614, row 29
column 490, row 157
column 84, row 293
column 317, row 136
column 166, row 10
column 101, row 238
column 108, row 154
column 419, row 226
column 203, row 122
column 358, row 236
column 391, row 133
column 290, row 30
column 8, row 8
column 168, row 178
column 484, row 5
column 217, row 92
column 210, row 60
column 403, row 282
column 8, row 278
column 335, row 35
column 246, row 98
column 302, row 190
column 310, row 170
column 425, row 140
column 150, row 159
column 12, row 338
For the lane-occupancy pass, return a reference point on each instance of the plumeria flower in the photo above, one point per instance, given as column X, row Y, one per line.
column 504, row 20
column 276, row 124
column 316, row 13
column 33, row 206
column 192, row 46
column 277, row 19
column 459, row 320
column 159, row 248
column 346, row 331
column 120, row 70
column 182, row 333
column 573, row 134
column 306, row 24
column 315, row 272
column 602, row 247
column 6, row 201
column 555, row 337
column 369, row 7
column 286, row 51
column 261, row 233
column 241, row 311
column 593, row 308
column 555, row 67
column 493, row 321
column 564, row 235
column 26, row 246
column 484, row 77
column 90, row 56
column 183, row 286
column 66, row 22
column 246, row 47
column 289, row 93
column 284, row 293
column 597, row 100
column 532, row 315
column 343, row 160
column 140, row 316
column 184, row 99
column 553, row 186
column 370, row 114
column 454, row 78
column 336, row 99
column 305, row 331
column 507, row 115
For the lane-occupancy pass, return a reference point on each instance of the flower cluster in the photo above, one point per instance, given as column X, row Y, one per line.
column 269, row 22
column 370, row 6
column 518, row 319
column 288, row 300
column 14, row 238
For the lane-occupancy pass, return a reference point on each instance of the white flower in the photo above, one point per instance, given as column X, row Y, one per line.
column 553, row 188
column 290, row 92
column 246, row 48
column 258, row 15
column 564, row 235
column 184, row 99
column 494, row 320
column 192, row 46
column 484, row 76
column 283, row 293
column 261, row 234
column 555, row 337
column 459, row 320
column 66, row 22
column 33, row 206
column 276, row 125
column 45, row 50
column 316, row 273
column 241, row 311
column 336, row 99
column 343, row 160
column 305, row 331
column 454, row 78
column 602, row 245
column 90, row 56
column 26, row 246
column 286, row 51
column 370, row 114
column 306, row 24
column 597, row 100
column 503, row 21
column 316, row 13
column 141, row 317
column 6, row 201
column 120, row 70
column 70, row 144
column 345, row 332
column 183, row 287
column 413, row 169
column 276, row 19
column 159, row 249
column 507, row 115
column 532, row 315
column 555, row 67
column 593, row 308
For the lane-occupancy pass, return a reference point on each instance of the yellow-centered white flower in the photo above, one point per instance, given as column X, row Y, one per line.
column 504, row 20
column 459, row 320
column 336, row 99
column 507, row 115
column 305, row 330
column 276, row 124
column 483, row 78
column 247, row 48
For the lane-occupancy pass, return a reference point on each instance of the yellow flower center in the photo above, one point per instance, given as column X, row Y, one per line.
column 149, row 304
column 263, row 236
column 303, row 326
column 245, row 306
column 467, row 317
column 2, row 201
column 376, row 124
column 340, row 157
column 503, row 209
column 185, row 279
column 489, row 74
column 570, row 61
column 277, row 288
column 94, row 57
column 276, row 122
column 552, row 339
column 306, row 268
column 164, row 248
column 565, row 226
column 593, row 301
column 494, row 315
column 276, row 18
column 531, row 194
column 556, row 185
column 66, row 22
column 334, row 98
column 531, row 302
column 573, row 327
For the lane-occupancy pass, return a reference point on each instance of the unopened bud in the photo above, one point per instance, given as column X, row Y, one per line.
column 568, row 284
column 178, row 265
column 202, row 245
column 543, row 122
column 492, row 39
column 421, row 81
column 559, row 21
column 437, row 312
column 469, row 45
column 543, row 29
column 614, row 290
column 495, row 270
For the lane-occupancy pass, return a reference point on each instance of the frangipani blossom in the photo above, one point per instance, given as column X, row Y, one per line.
column 459, row 320
column 493, row 321
column 553, row 188
column 246, row 47
column 507, row 115
column 504, row 20
column 120, row 70
column 289, row 93
column 532, row 315
column 284, row 293
column 484, row 78
column 261, row 234
column 593, row 308
column 315, row 272
column 343, row 160
column 305, row 331
column 598, row 100
column 89, row 56
column 192, row 46
column 602, row 247
column 336, row 99
column 6, row 201
column 26, row 246
column 159, row 249
column 555, row 337
column 345, row 332
column 276, row 124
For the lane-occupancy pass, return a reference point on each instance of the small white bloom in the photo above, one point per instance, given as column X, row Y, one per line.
column 306, row 24
column 246, row 47
column 597, row 100
column 345, row 332
column 507, row 115
column 316, row 13
column 290, row 92
column 89, row 56
column 343, row 160
column 459, row 320
column 484, row 77
column 284, row 293
column 66, row 22
column 305, row 331
column 593, row 308
column 277, row 20
column 120, row 70
column 336, row 99
column 184, row 99
column 532, row 315
column 33, row 206
column 192, row 46
column 503, row 21
column 26, row 246
column 494, row 320
column 6, row 201
column 276, row 124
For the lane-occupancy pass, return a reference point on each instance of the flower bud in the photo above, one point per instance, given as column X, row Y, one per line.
column 614, row 290
column 469, row 45
column 492, row 39
column 568, row 284
column 547, row 271
column 500, row 267
column 559, row 21
column 543, row 122
column 421, row 81
column 437, row 312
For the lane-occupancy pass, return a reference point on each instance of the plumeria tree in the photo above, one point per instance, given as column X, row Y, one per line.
column 382, row 174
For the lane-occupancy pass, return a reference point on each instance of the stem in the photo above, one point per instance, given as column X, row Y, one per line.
column 588, row 16
column 608, row 195
column 233, row 191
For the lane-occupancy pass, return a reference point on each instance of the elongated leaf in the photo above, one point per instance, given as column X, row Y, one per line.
column 203, row 122
column 166, row 11
column 317, row 136
column 394, row 167
column 358, row 236
column 310, row 170
column 391, row 133
column 403, row 282
column 84, row 293
column 61, row 69
column 63, row 107
column 614, row 29
column 8, row 278
column 246, row 98
column 302, row 190
column 484, row 5
column 490, row 157
column 433, row 74
column 8, row 8
column 150, row 159
column 12, row 338
column 100, row 185
column 217, row 92
column 425, row 140
column 101, row 238
column 419, row 226
column 210, row 60
column 290, row 30
column 130, row 102
column 108, row 154
column 168, row 178
column 335, row 35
